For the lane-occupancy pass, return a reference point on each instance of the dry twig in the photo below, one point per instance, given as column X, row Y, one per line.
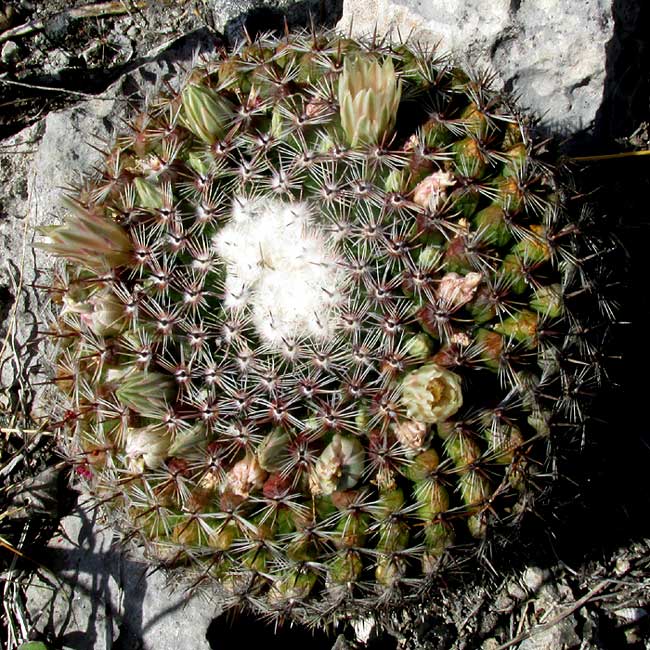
column 556, row 619
column 97, row 10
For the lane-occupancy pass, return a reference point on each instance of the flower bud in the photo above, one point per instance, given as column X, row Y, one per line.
column 522, row 327
column 105, row 316
column 492, row 225
column 390, row 569
column 205, row 112
column 272, row 451
column 144, row 392
column 199, row 164
column 147, row 446
column 149, row 196
column 548, row 301
column 423, row 465
column 419, row 347
column 504, row 440
column 344, row 568
column 393, row 536
column 294, row 586
column 438, row 535
column 88, row 238
column 369, row 94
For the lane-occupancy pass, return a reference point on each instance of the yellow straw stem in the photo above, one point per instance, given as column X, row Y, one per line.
column 610, row 156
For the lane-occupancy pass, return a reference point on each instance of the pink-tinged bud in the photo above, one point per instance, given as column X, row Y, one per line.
column 102, row 312
column 272, row 451
column 245, row 477
column 143, row 392
column 430, row 192
column 88, row 238
column 457, row 290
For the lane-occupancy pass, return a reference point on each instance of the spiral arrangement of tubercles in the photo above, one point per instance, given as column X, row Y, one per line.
column 318, row 321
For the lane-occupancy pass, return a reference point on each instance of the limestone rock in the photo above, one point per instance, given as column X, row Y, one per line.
column 98, row 594
column 549, row 53
column 35, row 167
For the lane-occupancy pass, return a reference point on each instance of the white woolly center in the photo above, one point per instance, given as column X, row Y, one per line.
column 279, row 263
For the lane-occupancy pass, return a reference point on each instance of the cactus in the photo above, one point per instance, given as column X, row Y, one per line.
column 318, row 321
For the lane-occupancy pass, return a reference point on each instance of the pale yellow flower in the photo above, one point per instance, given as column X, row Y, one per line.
column 431, row 394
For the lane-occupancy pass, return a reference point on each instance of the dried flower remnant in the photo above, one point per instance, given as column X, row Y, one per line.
column 457, row 290
column 339, row 467
column 431, row 191
column 245, row 477
column 412, row 434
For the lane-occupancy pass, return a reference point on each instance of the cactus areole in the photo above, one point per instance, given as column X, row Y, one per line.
column 316, row 321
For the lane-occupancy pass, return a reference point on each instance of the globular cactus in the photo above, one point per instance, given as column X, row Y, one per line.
column 319, row 322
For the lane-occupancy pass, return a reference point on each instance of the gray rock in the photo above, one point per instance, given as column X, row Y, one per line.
column 561, row 636
column 548, row 603
column 97, row 594
column 631, row 614
column 516, row 591
column 35, row 167
column 230, row 16
column 550, row 53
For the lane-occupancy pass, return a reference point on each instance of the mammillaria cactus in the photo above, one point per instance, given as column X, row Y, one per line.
column 318, row 322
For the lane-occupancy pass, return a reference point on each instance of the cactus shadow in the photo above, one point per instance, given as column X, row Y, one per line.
column 606, row 506
column 246, row 631
column 259, row 19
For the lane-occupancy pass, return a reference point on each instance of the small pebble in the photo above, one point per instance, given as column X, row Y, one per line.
column 57, row 27
column 10, row 53
column 622, row 566
column 490, row 644
column 534, row 578
column 633, row 636
column 504, row 603
column 516, row 591
column 631, row 613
